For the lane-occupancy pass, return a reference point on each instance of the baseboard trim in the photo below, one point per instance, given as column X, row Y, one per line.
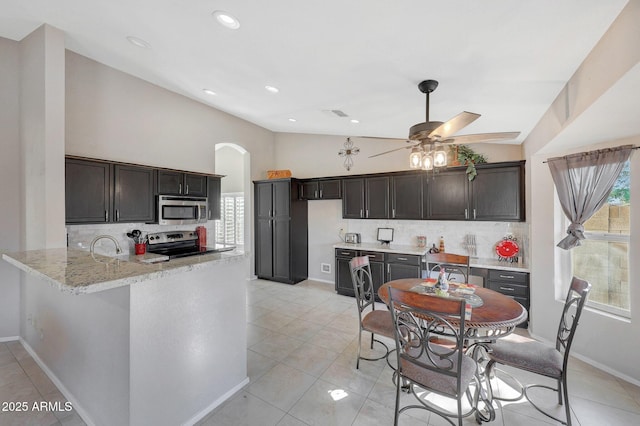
column 202, row 414
column 321, row 280
column 9, row 339
column 63, row 390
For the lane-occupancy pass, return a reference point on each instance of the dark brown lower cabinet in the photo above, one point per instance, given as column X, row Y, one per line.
column 512, row 284
column 384, row 267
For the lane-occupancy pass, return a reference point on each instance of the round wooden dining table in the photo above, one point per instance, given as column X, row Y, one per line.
column 498, row 315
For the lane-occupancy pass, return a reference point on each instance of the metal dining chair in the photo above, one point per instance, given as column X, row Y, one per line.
column 539, row 358
column 427, row 365
column 456, row 266
column 370, row 320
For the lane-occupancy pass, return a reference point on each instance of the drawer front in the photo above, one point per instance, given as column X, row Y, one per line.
column 374, row 256
column 508, row 276
column 409, row 259
column 348, row 253
column 509, row 289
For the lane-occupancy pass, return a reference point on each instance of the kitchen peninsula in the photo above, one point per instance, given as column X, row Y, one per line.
column 132, row 343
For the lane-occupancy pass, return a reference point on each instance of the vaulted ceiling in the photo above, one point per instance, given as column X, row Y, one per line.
column 504, row 59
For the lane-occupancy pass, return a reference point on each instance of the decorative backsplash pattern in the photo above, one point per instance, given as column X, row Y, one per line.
column 455, row 233
column 80, row 236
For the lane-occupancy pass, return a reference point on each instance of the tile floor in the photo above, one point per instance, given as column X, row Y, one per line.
column 302, row 342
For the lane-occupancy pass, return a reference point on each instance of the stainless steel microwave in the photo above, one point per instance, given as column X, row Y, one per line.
column 176, row 210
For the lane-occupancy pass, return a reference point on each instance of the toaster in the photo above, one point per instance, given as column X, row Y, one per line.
column 352, row 238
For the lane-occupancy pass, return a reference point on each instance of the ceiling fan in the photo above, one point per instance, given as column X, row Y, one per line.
column 431, row 134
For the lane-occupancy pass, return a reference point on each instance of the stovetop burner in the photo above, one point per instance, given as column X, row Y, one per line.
column 175, row 244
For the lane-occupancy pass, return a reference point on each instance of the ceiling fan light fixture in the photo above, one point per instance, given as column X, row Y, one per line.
column 439, row 159
column 427, row 162
column 415, row 158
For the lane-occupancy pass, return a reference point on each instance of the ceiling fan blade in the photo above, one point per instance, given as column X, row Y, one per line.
column 484, row 137
column 393, row 150
column 452, row 126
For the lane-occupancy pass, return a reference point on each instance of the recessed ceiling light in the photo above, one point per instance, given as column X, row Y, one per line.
column 139, row 42
column 209, row 92
column 272, row 89
column 226, row 19
column 293, row 120
column 354, row 121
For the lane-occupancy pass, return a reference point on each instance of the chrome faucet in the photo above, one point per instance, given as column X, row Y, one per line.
column 99, row 237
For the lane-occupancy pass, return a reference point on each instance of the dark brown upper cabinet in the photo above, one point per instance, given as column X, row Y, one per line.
column 103, row 192
column 366, row 198
column 134, row 197
column 406, row 196
column 321, row 189
column 496, row 194
column 213, row 197
column 88, row 191
column 177, row 183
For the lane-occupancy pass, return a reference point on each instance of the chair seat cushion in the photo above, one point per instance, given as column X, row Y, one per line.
column 528, row 354
column 430, row 379
column 378, row 322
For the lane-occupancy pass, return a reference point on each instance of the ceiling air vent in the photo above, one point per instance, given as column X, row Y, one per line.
column 335, row 113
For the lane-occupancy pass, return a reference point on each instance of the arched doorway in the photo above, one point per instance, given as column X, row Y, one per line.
column 234, row 227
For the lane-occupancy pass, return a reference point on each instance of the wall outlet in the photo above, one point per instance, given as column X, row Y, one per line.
column 325, row 267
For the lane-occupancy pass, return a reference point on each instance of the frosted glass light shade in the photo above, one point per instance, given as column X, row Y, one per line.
column 415, row 159
column 439, row 158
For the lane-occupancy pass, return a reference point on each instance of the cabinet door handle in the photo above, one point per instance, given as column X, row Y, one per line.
column 402, row 258
column 346, row 253
column 360, row 212
column 388, row 270
column 474, row 214
column 393, row 212
column 179, row 188
column 507, row 276
column 371, row 255
column 209, row 214
column 187, row 189
column 269, row 214
column 106, row 215
column 321, row 193
column 117, row 215
column 466, row 213
column 367, row 213
column 315, row 194
column 507, row 288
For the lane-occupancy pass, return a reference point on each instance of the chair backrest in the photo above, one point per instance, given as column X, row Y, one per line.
column 362, row 283
column 419, row 321
column 576, row 298
column 456, row 265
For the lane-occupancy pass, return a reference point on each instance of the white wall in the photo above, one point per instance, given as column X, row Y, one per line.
column 42, row 138
column 230, row 163
column 316, row 155
column 115, row 116
column 602, row 339
column 10, row 222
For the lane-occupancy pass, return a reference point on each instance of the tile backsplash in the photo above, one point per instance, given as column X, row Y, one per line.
column 487, row 234
column 80, row 236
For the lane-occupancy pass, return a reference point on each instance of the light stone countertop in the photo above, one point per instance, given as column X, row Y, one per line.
column 386, row 248
column 80, row 272
column 474, row 262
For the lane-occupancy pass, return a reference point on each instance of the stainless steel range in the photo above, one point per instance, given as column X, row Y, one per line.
column 176, row 244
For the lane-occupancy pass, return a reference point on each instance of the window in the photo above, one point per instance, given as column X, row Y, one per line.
column 230, row 226
column 603, row 258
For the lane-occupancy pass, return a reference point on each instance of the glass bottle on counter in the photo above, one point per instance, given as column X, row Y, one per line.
column 441, row 244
